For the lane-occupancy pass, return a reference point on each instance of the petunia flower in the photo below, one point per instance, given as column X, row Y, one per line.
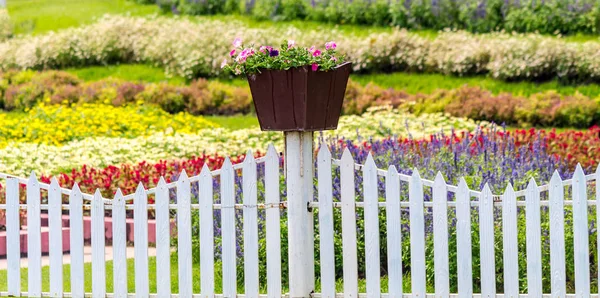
column 224, row 63
column 237, row 42
column 274, row 53
column 315, row 66
column 317, row 53
column 291, row 43
column 232, row 53
column 330, row 45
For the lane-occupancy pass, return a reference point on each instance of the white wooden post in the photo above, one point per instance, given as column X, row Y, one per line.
column 299, row 179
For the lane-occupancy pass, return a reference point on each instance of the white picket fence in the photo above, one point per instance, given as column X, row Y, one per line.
column 465, row 200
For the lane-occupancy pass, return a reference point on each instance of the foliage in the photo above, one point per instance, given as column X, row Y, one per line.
column 21, row 158
column 57, row 125
column 476, row 16
column 193, row 49
column 251, row 60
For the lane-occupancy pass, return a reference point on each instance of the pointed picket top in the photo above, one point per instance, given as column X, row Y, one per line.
column 32, row 178
column 271, row 150
column 205, row 171
column 462, row 185
column 249, row 157
column 226, row 163
column 486, row 191
column 532, row 185
column 439, row 180
column 324, row 153
column 555, row 178
column 347, row 156
column 54, row 184
column 509, row 190
column 140, row 190
column 97, row 194
column 598, row 169
column 392, row 170
column 183, row 176
column 162, row 184
column 76, row 190
column 415, row 175
column 579, row 174
column 119, row 196
column 370, row 163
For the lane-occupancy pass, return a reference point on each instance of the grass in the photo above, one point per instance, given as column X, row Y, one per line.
column 427, row 83
column 234, row 122
column 39, row 16
column 129, row 72
column 152, row 279
column 410, row 82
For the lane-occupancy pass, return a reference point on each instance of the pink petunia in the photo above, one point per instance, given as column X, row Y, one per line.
column 330, row 45
column 237, row 42
column 316, row 53
column 291, row 43
column 232, row 53
column 224, row 63
column 315, row 66
column 311, row 49
column 333, row 59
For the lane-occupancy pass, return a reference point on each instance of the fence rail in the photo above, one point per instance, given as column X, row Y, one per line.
column 330, row 211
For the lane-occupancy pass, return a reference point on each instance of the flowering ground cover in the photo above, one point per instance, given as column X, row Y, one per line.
column 20, row 158
column 57, row 125
column 181, row 46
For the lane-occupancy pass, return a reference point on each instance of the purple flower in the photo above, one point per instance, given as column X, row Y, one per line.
column 232, row 53
column 237, row 42
column 316, row 53
column 274, row 53
column 330, row 45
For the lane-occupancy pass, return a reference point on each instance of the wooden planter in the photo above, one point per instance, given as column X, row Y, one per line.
column 299, row 99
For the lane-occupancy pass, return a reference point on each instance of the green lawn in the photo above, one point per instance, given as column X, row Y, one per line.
column 129, row 72
column 38, row 16
column 235, row 121
column 174, row 276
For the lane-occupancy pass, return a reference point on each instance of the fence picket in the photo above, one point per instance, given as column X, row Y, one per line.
column 440, row 234
column 327, row 252
column 98, row 246
column 228, row 229
column 207, row 261
column 76, row 241
column 163, row 242
column 557, row 236
column 371, row 197
column 597, row 178
column 273, row 223
column 13, row 236
column 509, row 241
column 580, row 234
column 55, row 241
column 34, row 240
column 348, row 199
column 394, row 234
column 533, row 234
column 417, row 234
column 463, row 242
column 250, row 227
column 119, row 244
column 184, row 235
column 140, row 236
column 486, row 238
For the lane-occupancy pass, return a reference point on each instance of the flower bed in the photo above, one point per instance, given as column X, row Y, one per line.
column 56, row 125
column 21, row 158
column 5, row 25
column 193, row 49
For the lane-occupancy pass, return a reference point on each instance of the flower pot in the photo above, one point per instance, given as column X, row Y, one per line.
column 299, row 99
